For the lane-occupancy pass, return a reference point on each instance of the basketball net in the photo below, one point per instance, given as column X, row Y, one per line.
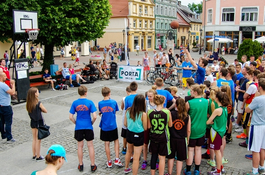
column 33, row 33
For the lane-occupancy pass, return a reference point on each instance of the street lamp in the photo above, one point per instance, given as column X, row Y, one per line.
column 189, row 40
column 200, row 42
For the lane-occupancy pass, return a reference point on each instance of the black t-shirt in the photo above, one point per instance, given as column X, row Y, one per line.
column 92, row 67
column 179, row 127
column 243, row 86
column 210, row 61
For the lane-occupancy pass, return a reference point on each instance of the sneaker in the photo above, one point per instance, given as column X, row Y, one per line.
column 187, row 173
column 248, row 156
column 109, row 164
column 128, row 170
column 251, row 173
column 223, row 171
column 213, row 173
column 229, row 140
column 78, row 84
column 232, row 118
column 11, row 141
column 243, row 144
column 131, row 160
column 144, row 164
column 34, row 157
column 212, row 163
column 224, row 161
column 236, row 126
column 118, row 162
column 53, row 89
column 80, row 167
column 239, row 130
column 206, row 156
column 71, row 85
column 241, row 136
column 261, row 170
column 167, row 174
column 157, row 166
column 40, row 158
column 124, row 151
column 197, row 172
column 93, row 168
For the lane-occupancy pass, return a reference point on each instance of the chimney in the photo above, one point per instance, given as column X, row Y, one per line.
column 179, row 3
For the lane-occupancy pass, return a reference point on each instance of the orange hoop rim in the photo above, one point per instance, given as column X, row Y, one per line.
column 27, row 30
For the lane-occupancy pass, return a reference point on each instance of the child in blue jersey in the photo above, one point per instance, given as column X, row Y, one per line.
column 83, row 126
column 109, row 131
column 48, row 79
column 129, row 99
column 168, row 97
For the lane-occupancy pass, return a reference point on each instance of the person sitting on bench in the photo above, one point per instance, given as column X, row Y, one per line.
column 71, row 77
column 48, row 79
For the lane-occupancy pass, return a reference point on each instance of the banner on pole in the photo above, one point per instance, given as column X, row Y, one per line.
column 130, row 73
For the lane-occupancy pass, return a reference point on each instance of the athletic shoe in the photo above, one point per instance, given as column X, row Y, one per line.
column 248, row 156
column 144, row 164
column 80, row 167
column 118, row 162
column 261, row 171
column 187, row 173
column 109, row 164
column 251, row 173
column 223, row 171
column 71, row 85
column 131, row 160
column 204, row 146
column 241, row 136
column 11, row 141
column 206, row 156
column 124, row 151
column 239, row 130
column 229, row 140
column 93, row 168
column 196, row 172
column 213, row 173
column 53, row 89
column 224, row 161
column 34, row 157
column 128, row 170
column 157, row 165
column 232, row 118
column 243, row 144
column 78, row 84
column 212, row 163
column 39, row 158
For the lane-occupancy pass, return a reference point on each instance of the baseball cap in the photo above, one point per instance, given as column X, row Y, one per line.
column 59, row 151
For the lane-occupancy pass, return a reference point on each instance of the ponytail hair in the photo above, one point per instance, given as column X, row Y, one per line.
column 227, row 90
column 51, row 159
column 213, row 92
column 198, row 88
column 159, row 99
column 154, row 87
column 223, row 98
column 182, row 111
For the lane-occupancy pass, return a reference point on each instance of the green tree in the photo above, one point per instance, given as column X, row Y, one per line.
column 196, row 8
column 249, row 48
column 61, row 22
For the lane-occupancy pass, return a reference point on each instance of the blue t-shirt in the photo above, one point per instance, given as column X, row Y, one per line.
column 238, row 76
column 210, row 61
column 200, row 75
column 230, row 83
column 83, row 107
column 258, row 107
column 33, row 53
column 166, row 94
column 179, row 68
column 108, row 110
column 129, row 101
column 186, row 73
column 5, row 99
column 46, row 75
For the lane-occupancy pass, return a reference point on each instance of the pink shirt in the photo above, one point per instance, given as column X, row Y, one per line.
column 72, row 71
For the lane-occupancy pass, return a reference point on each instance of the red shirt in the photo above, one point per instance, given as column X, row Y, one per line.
column 6, row 71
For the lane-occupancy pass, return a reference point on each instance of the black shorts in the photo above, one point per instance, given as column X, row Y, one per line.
column 196, row 142
column 123, row 133
column 109, row 136
column 161, row 149
column 146, row 136
column 82, row 134
column 179, row 149
column 137, row 139
column 36, row 124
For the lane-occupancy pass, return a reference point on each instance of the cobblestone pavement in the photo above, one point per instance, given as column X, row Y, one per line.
column 15, row 158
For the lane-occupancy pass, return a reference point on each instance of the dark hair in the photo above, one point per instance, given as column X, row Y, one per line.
column 168, row 89
column 82, row 90
column 253, row 63
column 133, row 86
column 190, row 81
column 262, row 83
column 226, row 89
column 224, row 71
column 51, row 159
column 256, row 72
column 159, row 99
column 128, row 89
column 182, row 111
column 137, row 106
column 223, row 98
column 204, row 62
column 250, row 72
column 105, row 91
column 231, row 71
column 238, row 64
column 236, row 59
column 177, row 55
column 207, row 83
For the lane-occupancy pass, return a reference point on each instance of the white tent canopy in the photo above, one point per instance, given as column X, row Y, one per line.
column 220, row 40
column 260, row 39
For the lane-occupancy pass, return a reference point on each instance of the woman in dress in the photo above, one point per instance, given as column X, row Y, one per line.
column 146, row 61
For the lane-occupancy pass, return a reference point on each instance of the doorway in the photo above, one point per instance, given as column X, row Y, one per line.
column 246, row 35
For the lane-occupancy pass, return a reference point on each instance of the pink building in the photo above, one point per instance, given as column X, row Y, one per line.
column 235, row 19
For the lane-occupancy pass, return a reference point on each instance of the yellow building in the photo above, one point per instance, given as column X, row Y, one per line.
column 141, row 25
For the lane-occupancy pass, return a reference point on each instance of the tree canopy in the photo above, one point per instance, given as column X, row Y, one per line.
column 196, row 8
column 60, row 21
column 249, row 48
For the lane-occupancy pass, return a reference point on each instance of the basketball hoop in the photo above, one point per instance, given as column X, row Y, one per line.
column 33, row 33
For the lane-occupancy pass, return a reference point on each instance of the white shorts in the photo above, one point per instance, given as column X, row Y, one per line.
column 239, row 104
column 256, row 139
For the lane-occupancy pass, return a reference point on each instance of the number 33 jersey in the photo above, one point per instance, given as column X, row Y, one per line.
column 159, row 131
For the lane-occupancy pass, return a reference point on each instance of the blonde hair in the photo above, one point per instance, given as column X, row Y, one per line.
column 159, row 99
column 213, row 92
column 173, row 88
column 159, row 82
column 152, row 91
column 198, row 88
column 154, row 87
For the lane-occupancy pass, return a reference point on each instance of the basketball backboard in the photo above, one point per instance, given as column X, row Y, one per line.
column 24, row 20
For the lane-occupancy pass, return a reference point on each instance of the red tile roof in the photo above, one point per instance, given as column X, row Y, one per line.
column 181, row 21
column 119, row 8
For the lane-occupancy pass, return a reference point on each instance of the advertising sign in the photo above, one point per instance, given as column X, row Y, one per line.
column 130, row 73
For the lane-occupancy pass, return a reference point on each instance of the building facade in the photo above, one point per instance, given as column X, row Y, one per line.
column 165, row 13
column 183, row 31
column 141, row 28
column 237, row 21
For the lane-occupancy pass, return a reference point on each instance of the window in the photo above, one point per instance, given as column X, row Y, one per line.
column 169, row 12
column 146, row 10
column 140, row 9
column 135, row 41
column 210, row 16
column 149, row 41
column 134, row 23
column 134, row 8
column 157, row 9
column 161, row 12
column 166, row 11
column 165, row 25
column 151, row 24
column 161, row 25
column 249, row 14
column 228, row 14
column 151, row 10
column 157, row 25
column 145, row 24
column 140, row 24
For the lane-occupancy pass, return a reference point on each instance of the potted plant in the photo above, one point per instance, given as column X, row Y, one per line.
column 194, row 48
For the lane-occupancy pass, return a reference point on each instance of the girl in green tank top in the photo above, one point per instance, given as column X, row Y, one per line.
column 218, row 121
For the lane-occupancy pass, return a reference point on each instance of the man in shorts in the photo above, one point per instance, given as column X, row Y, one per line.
column 187, row 67
column 71, row 77
column 109, row 131
column 83, row 126
column 256, row 139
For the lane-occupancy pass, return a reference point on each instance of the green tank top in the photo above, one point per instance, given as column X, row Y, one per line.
column 219, row 124
column 135, row 126
column 198, row 114
column 210, row 110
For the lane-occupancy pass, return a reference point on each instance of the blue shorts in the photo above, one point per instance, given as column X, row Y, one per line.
column 73, row 77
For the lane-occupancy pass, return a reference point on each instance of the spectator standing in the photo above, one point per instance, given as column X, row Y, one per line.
column 145, row 63
column 262, row 66
column 6, row 112
column 62, row 53
column 105, row 52
column 77, row 56
column 5, row 70
column 215, row 66
column 6, row 57
column 38, row 53
column 258, row 61
column 33, row 56
column 170, row 55
column 137, row 49
column 187, row 67
column 210, row 59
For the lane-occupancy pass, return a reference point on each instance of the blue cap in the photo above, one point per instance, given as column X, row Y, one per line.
column 59, row 151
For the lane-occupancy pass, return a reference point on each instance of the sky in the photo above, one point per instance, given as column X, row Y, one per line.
column 186, row 2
